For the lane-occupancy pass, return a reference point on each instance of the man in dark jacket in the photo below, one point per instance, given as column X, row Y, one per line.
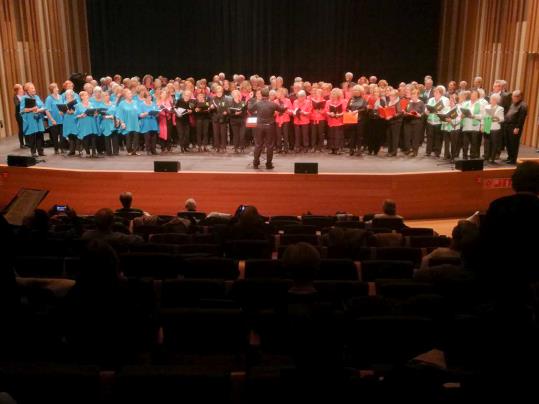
column 514, row 120
column 265, row 126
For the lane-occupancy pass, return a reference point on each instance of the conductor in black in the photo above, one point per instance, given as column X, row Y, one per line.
column 265, row 126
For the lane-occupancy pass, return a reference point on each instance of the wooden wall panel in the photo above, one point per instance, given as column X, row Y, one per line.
column 42, row 41
column 419, row 195
column 495, row 39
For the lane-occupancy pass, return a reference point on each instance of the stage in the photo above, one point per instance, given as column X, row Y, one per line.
column 424, row 188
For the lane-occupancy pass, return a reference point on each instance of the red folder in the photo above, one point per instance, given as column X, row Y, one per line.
column 387, row 112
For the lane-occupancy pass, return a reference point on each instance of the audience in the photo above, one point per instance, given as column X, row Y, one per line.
column 100, row 320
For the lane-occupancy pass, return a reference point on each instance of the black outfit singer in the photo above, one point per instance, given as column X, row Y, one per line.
column 357, row 131
column 514, row 118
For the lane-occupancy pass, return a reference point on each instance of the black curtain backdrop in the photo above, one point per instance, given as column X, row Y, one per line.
column 315, row 39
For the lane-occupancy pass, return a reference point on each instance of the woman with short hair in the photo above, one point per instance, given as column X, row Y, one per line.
column 493, row 115
column 282, row 120
column 357, row 104
column 237, row 114
column 148, row 122
column 55, row 124
column 32, row 112
column 471, row 125
column 335, row 108
column 69, row 125
column 301, row 109
column 86, row 124
column 413, row 123
column 127, row 113
column 18, row 91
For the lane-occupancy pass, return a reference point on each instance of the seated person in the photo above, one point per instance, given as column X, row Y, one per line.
column 191, row 212
column 464, row 236
column 190, row 205
column 99, row 319
column 127, row 211
column 389, row 209
column 104, row 220
column 389, row 218
column 247, row 225
column 301, row 261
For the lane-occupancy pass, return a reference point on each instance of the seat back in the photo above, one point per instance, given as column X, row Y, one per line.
column 337, row 269
column 264, row 269
column 210, row 268
column 248, row 249
column 379, row 269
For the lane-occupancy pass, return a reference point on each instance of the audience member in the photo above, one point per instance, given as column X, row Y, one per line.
column 190, row 205
column 389, row 209
column 463, row 239
column 104, row 220
column 247, row 225
column 127, row 211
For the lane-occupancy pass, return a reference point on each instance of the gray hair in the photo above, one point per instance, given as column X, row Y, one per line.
column 441, row 89
column 496, row 97
column 302, row 93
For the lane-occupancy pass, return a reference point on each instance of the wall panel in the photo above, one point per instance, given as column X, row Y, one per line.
column 40, row 41
column 495, row 39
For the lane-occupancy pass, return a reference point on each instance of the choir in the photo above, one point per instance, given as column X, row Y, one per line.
column 188, row 115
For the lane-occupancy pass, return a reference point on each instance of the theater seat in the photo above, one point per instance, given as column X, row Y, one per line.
column 149, row 265
column 264, row 269
column 40, row 267
column 402, row 288
column 51, row 383
column 428, row 241
column 399, row 254
column 248, row 249
column 210, row 268
column 170, row 238
column 379, row 269
column 340, row 291
column 320, row 222
column 203, row 293
column 287, row 239
column 200, row 250
column 171, row 384
column 299, row 229
column 416, row 231
column 256, row 294
column 195, row 330
column 337, row 269
column 391, row 340
column 389, row 223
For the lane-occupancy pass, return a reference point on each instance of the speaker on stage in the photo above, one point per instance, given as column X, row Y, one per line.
column 305, row 168
column 166, row 166
column 469, row 165
column 21, row 161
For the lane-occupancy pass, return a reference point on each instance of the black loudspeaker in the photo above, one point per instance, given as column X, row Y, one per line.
column 166, row 166
column 21, row 161
column 469, row 165
column 306, row 168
